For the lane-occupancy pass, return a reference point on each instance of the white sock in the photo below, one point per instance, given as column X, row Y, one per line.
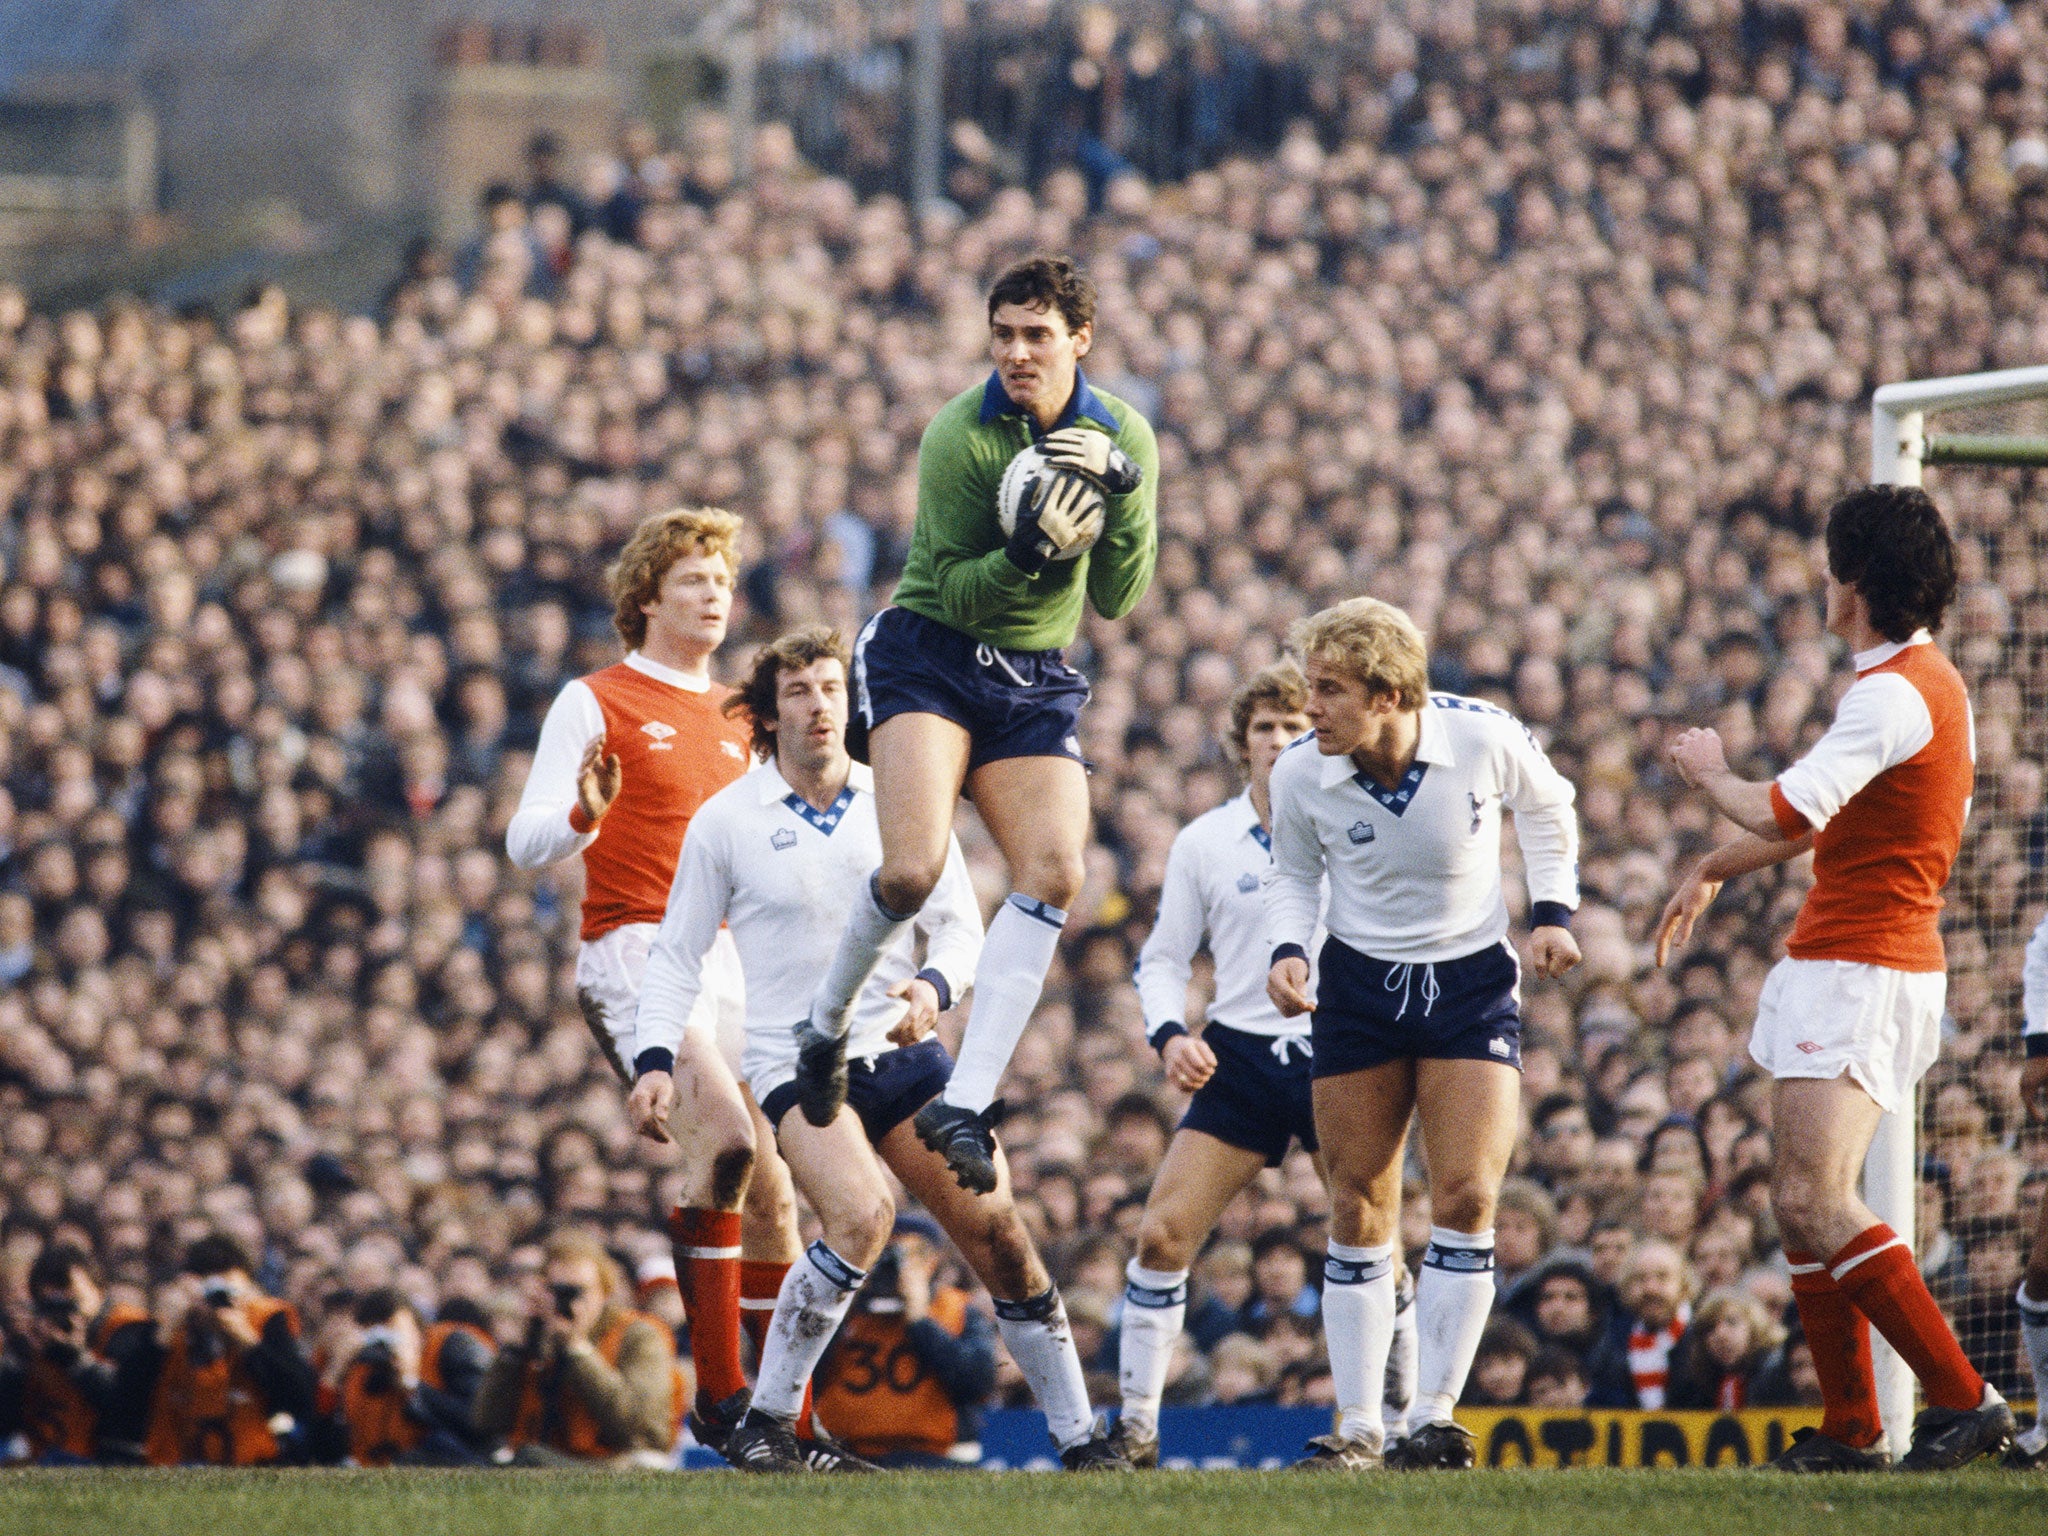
column 1014, row 959
column 870, row 929
column 1155, row 1306
column 815, row 1295
column 1358, row 1323
column 2034, row 1339
column 1453, row 1298
column 1399, row 1394
column 1036, row 1333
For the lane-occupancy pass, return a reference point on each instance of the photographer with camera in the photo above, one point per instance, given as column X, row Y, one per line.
column 80, row 1392
column 236, row 1388
column 913, row 1362
column 592, row 1380
column 409, row 1390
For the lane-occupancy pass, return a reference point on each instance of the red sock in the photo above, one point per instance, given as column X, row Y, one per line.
column 707, row 1249
column 1877, row 1272
column 761, row 1282
column 1839, row 1337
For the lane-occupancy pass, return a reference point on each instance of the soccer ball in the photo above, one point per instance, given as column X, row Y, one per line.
column 1029, row 476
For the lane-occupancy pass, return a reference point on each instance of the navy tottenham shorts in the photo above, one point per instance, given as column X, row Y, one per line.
column 884, row 1091
column 1373, row 1011
column 1259, row 1099
column 1012, row 703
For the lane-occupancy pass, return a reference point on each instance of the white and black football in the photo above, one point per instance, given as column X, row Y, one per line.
column 1029, row 476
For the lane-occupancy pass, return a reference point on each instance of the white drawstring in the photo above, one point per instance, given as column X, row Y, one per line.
column 1284, row 1044
column 1397, row 981
column 989, row 656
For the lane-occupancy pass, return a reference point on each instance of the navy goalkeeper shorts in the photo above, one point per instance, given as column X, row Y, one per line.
column 1011, row 703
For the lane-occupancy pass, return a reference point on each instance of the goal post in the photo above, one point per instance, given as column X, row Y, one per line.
column 1993, row 420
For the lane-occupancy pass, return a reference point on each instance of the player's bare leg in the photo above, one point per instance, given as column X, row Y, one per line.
column 920, row 763
column 1362, row 1122
column 1036, row 809
column 837, row 1172
column 711, row 1123
column 1029, row 1313
column 1197, row 1178
column 1823, row 1129
column 1467, row 1112
column 2031, row 1448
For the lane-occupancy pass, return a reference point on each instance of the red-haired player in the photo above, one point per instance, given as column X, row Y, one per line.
column 1851, row 1019
column 625, row 758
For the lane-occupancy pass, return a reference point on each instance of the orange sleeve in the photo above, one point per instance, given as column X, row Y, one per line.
column 1791, row 824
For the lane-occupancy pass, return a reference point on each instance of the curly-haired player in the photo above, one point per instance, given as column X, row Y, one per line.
column 625, row 758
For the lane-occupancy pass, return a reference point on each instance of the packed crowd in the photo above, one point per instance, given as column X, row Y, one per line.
column 1555, row 325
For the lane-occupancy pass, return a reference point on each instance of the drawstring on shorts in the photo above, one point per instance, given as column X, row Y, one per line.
column 1398, row 977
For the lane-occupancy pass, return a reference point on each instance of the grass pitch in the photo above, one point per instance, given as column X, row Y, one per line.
column 1570, row 1503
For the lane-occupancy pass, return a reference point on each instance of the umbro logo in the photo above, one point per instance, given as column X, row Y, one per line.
column 661, row 734
column 783, row 839
column 1810, row 1047
column 1247, row 883
column 1361, row 832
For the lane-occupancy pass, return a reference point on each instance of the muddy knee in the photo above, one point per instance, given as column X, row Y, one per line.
column 730, row 1170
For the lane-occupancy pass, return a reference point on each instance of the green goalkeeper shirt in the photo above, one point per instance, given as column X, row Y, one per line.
column 957, row 572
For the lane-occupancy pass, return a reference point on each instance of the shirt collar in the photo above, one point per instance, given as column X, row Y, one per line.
column 1878, row 655
column 1434, row 746
column 860, row 778
column 1085, row 405
column 663, row 673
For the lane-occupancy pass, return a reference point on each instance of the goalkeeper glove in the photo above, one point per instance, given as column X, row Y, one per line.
column 1065, row 512
column 1095, row 455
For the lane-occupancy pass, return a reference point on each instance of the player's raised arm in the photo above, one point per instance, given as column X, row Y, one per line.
column 550, row 824
column 956, row 487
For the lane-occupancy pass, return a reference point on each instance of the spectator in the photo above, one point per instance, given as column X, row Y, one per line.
column 1567, row 1308
column 1500, row 1370
column 589, row 1380
column 409, row 1392
column 914, row 1361
column 83, row 1391
column 235, row 1388
column 1560, row 1140
column 1632, row 1366
column 1726, row 1347
column 1556, row 1379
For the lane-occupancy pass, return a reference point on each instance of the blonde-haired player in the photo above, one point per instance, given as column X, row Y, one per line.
column 625, row 758
column 1416, row 1000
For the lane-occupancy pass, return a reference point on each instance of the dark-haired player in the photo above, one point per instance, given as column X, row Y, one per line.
column 1850, row 1020
column 961, row 684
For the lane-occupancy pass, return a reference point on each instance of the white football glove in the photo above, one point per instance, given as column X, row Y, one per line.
column 1065, row 516
column 1094, row 454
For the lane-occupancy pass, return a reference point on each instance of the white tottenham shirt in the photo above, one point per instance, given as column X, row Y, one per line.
column 539, row 832
column 1214, row 886
column 1414, row 868
column 782, row 875
column 2034, row 992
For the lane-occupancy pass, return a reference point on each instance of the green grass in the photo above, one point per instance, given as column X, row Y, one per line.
column 1569, row 1503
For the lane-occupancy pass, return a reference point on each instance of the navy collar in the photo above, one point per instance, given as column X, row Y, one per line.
column 826, row 821
column 1396, row 799
column 1085, row 405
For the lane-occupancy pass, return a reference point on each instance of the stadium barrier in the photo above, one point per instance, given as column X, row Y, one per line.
column 1508, row 1437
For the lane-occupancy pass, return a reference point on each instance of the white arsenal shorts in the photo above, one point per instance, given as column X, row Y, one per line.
column 608, row 973
column 1821, row 1018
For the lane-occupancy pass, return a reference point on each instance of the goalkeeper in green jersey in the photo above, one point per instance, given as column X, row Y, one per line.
column 961, row 684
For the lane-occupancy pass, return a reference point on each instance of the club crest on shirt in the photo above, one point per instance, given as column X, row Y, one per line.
column 1247, row 882
column 1360, row 832
column 661, row 734
column 1478, row 809
column 783, row 839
